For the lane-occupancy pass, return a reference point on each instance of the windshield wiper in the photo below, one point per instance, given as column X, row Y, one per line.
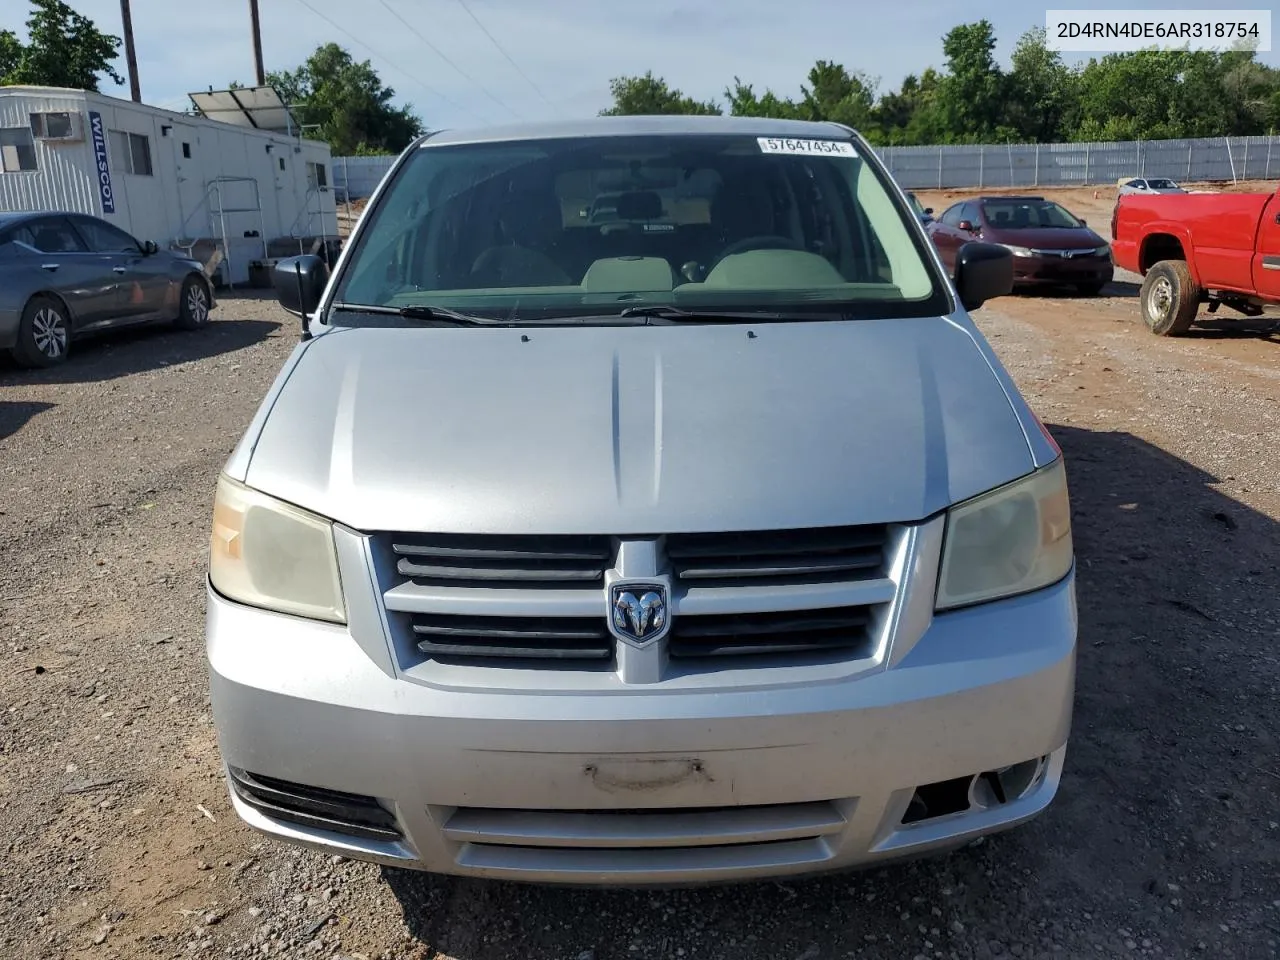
column 666, row 312
column 418, row 311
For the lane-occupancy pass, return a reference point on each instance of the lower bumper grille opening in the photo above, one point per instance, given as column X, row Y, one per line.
column 349, row 813
column 837, row 630
column 646, row 828
column 982, row 791
column 640, row 843
column 939, row 800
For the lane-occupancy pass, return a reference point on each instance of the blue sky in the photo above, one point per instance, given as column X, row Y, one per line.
column 567, row 49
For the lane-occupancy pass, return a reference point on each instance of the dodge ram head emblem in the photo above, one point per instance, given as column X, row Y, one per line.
column 638, row 611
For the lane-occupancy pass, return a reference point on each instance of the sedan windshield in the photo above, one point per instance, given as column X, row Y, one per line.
column 537, row 229
column 1015, row 214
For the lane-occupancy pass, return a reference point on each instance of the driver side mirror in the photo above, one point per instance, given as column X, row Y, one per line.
column 1083, row 221
column 300, row 283
column 928, row 211
column 965, row 225
column 983, row 271
column 149, row 247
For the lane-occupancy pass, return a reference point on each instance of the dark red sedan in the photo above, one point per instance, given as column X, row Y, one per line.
column 1050, row 245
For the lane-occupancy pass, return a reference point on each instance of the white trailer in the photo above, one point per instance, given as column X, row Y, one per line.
column 235, row 196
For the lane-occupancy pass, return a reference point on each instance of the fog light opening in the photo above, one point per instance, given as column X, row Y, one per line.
column 939, row 799
column 993, row 788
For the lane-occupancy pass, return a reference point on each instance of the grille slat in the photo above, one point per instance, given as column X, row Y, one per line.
column 779, row 556
column 534, row 561
column 538, row 638
column 761, row 634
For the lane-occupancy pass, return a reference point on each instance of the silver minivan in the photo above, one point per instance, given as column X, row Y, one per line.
column 701, row 542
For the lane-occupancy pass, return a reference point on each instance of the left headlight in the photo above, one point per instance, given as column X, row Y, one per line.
column 1018, row 251
column 1103, row 251
column 1009, row 541
column 270, row 554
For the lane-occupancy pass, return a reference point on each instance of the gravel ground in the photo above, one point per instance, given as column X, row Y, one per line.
column 117, row 841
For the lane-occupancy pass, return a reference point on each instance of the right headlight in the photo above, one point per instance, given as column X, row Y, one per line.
column 270, row 554
column 1012, row 540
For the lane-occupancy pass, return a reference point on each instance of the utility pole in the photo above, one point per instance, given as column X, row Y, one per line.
column 130, row 57
column 257, row 43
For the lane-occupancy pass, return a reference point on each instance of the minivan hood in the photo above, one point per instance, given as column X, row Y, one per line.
column 635, row 430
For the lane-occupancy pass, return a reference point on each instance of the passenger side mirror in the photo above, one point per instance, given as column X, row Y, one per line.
column 929, row 211
column 965, row 225
column 300, row 283
column 1083, row 221
column 149, row 247
column 983, row 271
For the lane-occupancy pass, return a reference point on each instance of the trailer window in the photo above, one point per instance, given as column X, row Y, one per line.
column 132, row 152
column 316, row 178
column 17, row 150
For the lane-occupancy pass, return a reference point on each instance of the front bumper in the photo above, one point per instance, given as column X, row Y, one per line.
column 1057, row 270
column 646, row 785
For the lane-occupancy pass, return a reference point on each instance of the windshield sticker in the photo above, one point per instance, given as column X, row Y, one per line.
column 839, row 148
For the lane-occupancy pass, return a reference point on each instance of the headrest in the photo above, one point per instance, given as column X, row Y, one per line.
column 639, row 205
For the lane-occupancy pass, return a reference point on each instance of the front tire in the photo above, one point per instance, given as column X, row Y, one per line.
column 193, row 305
column 1170, row 298
column 44, row 334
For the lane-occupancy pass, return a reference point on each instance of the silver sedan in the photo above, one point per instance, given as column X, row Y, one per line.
column 67, row 274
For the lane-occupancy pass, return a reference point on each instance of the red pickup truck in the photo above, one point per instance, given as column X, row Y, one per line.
column 1194, row 248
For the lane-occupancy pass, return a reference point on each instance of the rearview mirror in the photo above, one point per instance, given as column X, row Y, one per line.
column 983, row 271
column 149, row 247
column 300, row 283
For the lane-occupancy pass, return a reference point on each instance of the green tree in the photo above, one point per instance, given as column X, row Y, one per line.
column 971, row 94
column 345, row 104
column 744, row 102
column 1041, row 90
column 650, row 96
column 63, row 49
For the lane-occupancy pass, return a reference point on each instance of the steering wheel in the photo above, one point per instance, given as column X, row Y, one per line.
column 767, row 241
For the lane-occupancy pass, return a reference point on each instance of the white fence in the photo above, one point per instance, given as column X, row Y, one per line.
column 359, row 176
column 1008, row 165
column 1080, row 164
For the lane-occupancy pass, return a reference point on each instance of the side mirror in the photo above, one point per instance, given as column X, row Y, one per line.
column 1083, row 221
column 149, row 247
column 300, row 283
column 965, row 225
column 929, row 211
column 984, row 271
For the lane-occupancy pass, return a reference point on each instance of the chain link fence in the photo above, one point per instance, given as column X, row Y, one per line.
column 1006, row 165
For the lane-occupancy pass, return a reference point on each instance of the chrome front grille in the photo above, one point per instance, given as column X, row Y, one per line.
column 735, row 600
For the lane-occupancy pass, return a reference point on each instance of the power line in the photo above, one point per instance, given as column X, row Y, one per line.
column 494, row 41
column 425, row 86
column 441, row 54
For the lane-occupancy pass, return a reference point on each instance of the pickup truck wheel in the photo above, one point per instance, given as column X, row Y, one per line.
column 1170, row 298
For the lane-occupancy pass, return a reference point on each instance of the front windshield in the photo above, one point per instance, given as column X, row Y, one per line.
column 1162, row 185
column 523, row 230
column 1016, row 214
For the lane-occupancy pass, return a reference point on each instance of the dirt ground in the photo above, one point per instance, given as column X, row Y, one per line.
column 116, row 837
